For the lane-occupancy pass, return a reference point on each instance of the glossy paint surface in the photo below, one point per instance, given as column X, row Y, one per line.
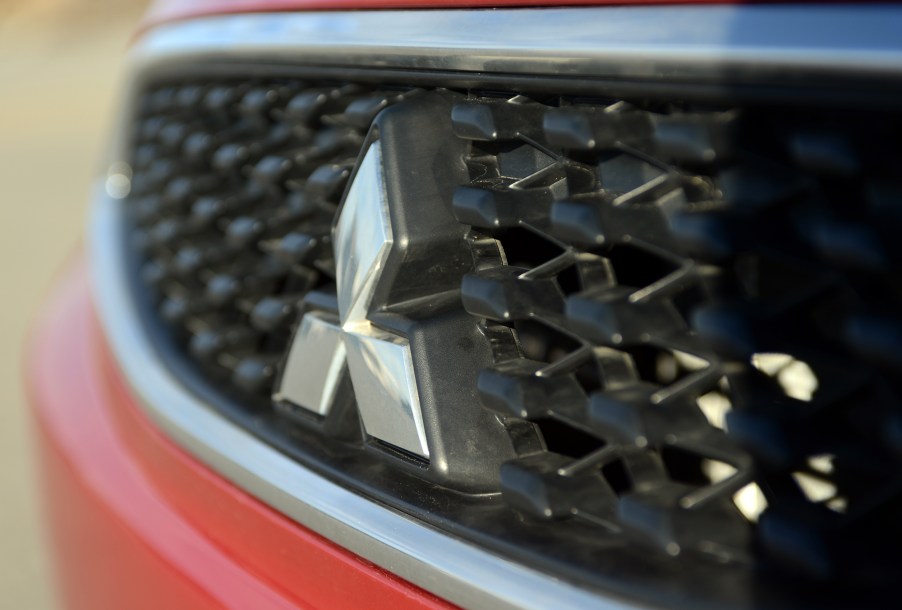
column 137, row 523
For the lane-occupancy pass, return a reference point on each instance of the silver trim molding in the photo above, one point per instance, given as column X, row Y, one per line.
column 663, row 42
column 638, row 42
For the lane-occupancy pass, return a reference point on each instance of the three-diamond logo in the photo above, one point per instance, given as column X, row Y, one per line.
column 379, row 362
column 395, row 338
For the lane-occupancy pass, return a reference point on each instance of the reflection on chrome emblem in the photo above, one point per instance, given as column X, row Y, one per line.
column 379, row 362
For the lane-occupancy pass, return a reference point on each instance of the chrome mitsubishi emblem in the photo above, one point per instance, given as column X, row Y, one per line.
column 379, row 362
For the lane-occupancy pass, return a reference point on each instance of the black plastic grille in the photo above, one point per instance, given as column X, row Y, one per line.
column 235, row 189
column 706, row 303
column 695, row 307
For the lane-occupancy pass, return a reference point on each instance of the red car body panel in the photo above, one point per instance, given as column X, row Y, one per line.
column 137, row 523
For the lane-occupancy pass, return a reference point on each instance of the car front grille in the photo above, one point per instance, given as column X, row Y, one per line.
column 706, row 303
column 692, row 309
column 235, row 188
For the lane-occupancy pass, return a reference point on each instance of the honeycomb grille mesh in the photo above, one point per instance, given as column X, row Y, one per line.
column 706, row 304
column 696, row 307
column 235, row 189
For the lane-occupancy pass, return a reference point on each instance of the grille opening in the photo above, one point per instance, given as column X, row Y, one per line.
column 768, row 278
column 717, row 471
column 684, row 466
column 664, row 366
column 569, row 280
column 524, row 248
column 542, row 343
column 617, row 476
column 817, row 489
column 507, row 162
column 567, row 440
column 672, row 369
column 689, row 299
column 661, row 366
column 521, row 162
column 636, row 267
column 751, row 502
column 714, row 406
column 589, row 378
column 795, row 377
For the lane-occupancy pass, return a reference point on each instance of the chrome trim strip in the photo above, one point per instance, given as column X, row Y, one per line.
column 450, row 568
column 640, row 42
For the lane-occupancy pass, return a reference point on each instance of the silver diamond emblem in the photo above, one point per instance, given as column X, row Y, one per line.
column 380, row 362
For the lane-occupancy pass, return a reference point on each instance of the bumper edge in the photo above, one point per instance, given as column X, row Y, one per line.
column 135, row 522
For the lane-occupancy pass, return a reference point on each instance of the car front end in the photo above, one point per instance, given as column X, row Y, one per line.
column 489, row 306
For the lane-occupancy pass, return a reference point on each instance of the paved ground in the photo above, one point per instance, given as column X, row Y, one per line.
column 59, row 65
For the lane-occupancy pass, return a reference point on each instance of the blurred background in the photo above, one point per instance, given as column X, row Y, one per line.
column 61, row 62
